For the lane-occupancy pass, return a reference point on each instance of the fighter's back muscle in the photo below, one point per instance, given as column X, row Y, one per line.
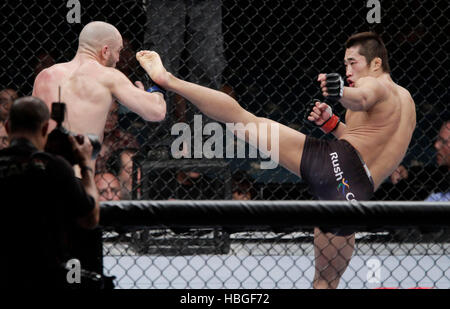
column 382, row 133
column 84, row 90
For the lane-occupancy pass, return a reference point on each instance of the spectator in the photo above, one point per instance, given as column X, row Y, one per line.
column 400, row 173
column 114, row 139
column 188, row 36
column 242, row 187
column 108, row 187
column 192, row 185
column 42, row 194
column 419, row 182
column 128, row 64
column 3, row 135
column 7, row 97
column 44, row 60
column 442, row 145
column 120, row 162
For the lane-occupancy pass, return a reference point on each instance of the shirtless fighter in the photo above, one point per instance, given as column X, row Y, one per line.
column 380, row 120
column 90, row 82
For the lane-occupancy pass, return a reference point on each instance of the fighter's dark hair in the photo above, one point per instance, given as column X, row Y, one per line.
column 28, row 114
column 370, row 46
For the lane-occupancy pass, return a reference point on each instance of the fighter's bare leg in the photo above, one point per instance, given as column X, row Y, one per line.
column 267, row 134
column 332, row 256
column 220, row 106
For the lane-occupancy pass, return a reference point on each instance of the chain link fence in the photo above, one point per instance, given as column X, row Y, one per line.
column 223, row 259
column 267, row 55
column 274, row 245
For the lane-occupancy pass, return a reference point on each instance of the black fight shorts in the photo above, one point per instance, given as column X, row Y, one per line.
column 335, row 171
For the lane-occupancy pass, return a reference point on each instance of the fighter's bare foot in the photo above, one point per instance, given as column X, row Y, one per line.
column 152, row 64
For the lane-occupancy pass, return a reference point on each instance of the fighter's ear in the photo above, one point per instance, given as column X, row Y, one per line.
column 376, row 63
column 105, row 51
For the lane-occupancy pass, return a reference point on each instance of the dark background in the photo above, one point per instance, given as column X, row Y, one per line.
column 274, row 49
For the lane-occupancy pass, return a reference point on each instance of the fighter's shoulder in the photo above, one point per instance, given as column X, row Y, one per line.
column 367, row 80
column 51, row 72
column 112, row 75
column 379, row 87
column 404, row 93
column 43, row 83
column 45, row 74
column 403, row 90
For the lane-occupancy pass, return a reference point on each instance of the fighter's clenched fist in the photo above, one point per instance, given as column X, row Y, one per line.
column 322, row 116
column 332, row 85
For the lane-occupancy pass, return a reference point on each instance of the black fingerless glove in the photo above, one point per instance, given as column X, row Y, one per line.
column 151, row 86
column 335, row 86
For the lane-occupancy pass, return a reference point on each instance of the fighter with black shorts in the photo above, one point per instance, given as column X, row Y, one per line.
column 379, row 123
column 335, row 171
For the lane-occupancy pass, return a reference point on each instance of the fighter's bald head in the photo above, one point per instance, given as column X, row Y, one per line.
column 96, row 34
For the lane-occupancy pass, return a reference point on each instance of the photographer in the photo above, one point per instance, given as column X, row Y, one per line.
column 41, row 198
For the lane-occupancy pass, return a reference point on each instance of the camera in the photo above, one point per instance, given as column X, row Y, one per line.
column 58, row 140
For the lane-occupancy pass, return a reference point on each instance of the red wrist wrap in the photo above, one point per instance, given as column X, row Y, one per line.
column 330, row 124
